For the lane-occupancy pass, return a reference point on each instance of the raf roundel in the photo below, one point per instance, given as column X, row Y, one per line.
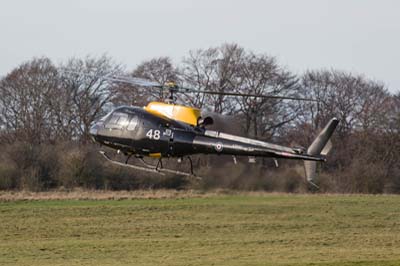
column 219, row 147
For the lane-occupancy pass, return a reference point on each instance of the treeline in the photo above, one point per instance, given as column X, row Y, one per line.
column 46, row 111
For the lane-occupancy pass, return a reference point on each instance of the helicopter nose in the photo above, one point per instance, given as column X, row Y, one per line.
column 93, row 130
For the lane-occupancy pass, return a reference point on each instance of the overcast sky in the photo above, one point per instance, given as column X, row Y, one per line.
column 361, row 36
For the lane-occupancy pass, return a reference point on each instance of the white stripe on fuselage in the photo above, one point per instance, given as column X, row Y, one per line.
column 217, row 134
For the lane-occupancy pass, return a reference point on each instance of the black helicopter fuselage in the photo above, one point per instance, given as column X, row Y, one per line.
column 135, row 131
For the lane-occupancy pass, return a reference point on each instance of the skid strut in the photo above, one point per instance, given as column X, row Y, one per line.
column 159, row 163
column 191, row 165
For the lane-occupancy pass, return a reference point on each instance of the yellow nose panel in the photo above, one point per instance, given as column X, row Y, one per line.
column 181, row 113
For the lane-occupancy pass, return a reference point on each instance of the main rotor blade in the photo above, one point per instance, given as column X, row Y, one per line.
column 134, row 81
column 246, row 94
column 123, row 79
column 176, row 89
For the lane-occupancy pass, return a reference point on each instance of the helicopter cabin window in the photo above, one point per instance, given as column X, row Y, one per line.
column 133, row 123
column 117, row 121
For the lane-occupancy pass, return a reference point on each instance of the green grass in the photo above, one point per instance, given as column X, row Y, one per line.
column 268, row 229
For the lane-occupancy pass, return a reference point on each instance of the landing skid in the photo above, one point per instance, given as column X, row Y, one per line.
column 148, row 168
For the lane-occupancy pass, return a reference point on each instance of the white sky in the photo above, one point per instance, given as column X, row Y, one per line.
column 362, row 36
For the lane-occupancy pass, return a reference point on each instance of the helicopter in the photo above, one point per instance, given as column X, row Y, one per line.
column 168, row 130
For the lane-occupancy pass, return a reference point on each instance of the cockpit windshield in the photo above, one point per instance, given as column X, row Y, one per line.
column 104, row 118
column 133, row 123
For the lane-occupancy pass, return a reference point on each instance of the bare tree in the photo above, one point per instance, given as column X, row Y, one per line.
column 213, row 69
column 261, row 75
column 159, row 69
column 90, row 92
column 356, row 101
column 27, row 96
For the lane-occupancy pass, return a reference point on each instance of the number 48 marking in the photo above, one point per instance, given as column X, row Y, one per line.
column 153, row 134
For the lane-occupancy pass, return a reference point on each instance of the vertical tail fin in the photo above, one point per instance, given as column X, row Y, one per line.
column 320, row 146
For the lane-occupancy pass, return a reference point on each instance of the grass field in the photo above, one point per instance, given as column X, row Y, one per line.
column 254, row 229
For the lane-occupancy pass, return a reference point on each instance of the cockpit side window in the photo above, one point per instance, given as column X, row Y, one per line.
column 117, row 121
column 133, row 123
